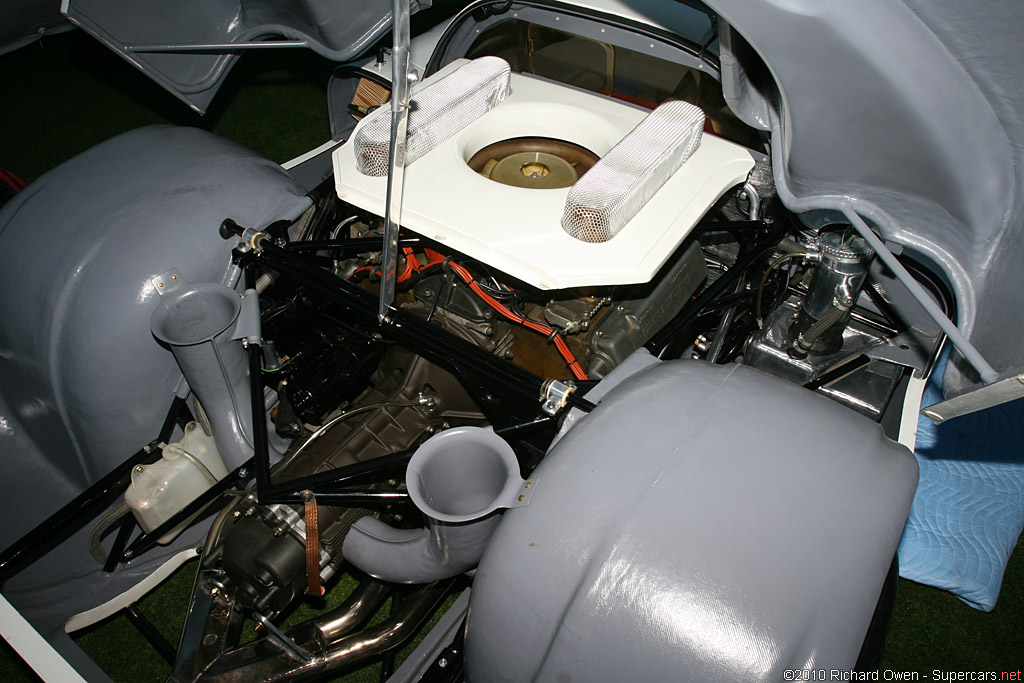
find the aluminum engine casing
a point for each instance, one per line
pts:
(705, 519)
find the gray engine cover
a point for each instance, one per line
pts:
(711, 523)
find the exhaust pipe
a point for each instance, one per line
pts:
(459, 479)
(197, 322)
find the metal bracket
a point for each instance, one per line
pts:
(167, 281)
(554, 395)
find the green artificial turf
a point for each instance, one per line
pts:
(68, 93)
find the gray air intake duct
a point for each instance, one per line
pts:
(197, 322)
(459, 479)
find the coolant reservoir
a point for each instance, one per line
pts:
(187, 468)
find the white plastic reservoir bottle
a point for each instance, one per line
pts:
(187, 468)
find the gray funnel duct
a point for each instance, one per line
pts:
(458, 479)
(197, 322)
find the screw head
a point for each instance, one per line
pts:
(442, 662)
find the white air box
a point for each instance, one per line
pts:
(519, 230)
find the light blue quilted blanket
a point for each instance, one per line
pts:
(969, 507)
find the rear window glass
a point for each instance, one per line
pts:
(611, 70)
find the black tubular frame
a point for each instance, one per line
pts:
(435, 344)
(483, 374)
(492, 380)
(82, 509)
(464, 359)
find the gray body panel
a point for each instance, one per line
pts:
(84, 381)
(26, 21)
(909, 112)
(682, 526)
(336, 29)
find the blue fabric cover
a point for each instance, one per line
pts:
(969, 507)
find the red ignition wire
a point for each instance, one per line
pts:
(16, 183)
(411, 264)
(549, 332)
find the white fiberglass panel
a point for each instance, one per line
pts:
(518, 230)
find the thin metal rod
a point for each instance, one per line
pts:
(151, 633)
(83, 508)
(215, 47)
(275, 634)
(396, 153)
(963, 345)
(520, 428)
(360, 498)
(340, 476)
(387, 663)
(117, 550)
(259, 422)
(261, 447)
(355, 245)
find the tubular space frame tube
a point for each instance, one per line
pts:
(396, 172)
